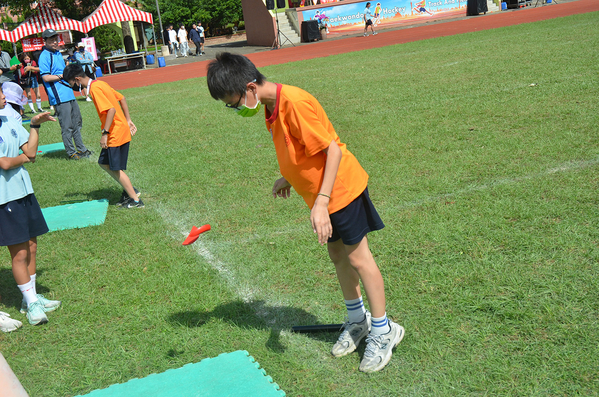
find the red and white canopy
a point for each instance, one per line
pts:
(44, 18)
(5, 35)
(111, 11)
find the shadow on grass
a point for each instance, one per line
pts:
(256, 315)
(10, 296)
(113, 194)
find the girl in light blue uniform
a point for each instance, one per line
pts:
(21, 218)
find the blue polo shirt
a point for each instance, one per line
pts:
(52, 63)
(14, 183)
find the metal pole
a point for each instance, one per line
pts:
(159, 20)
(155, 42)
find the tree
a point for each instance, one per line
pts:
(212, 13)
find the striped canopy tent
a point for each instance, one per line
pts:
(5, 35)
(44, 18)
(111, 11)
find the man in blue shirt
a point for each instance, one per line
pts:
(61, 96)
(194, 35)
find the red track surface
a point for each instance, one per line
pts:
(331, 47)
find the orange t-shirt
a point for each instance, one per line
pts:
(105, 98)
(301, 130)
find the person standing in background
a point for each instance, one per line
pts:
(6, 70)
(194, 35)
(202, 37)
(183, 45)
(172, 37)
(86, 60)
(29, 80)
(61, 96)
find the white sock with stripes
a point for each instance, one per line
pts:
(355, 310)
(380, 325)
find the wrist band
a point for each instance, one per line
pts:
(37, 126)
(322, 194)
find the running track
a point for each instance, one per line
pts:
(332, 47)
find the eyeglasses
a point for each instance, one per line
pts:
(236, 106)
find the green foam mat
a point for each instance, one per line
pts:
(78, 215)
(53, 147)
(235, 374)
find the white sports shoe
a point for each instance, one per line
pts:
(351, 336)
(8, 324)
(380, 347)
(48, 305)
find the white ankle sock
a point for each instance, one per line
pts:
(30, 103)
(355, 310)
(38, 102)
(33, 277)
(28, 292)
(380, 325)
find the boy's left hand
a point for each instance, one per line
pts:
(132, 128)
(321, 221)
(42, 118)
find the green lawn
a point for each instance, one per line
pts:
(486, 182)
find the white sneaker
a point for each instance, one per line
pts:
(8, 324)
(36, 314)
(88, 99)
(380, 347)
(351, 336)
(365, 34)
(374, 33)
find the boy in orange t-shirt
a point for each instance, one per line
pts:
(117, 129)
(332, 182)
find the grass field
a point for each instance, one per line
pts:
(487, 185)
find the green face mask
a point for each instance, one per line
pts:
(245, 111)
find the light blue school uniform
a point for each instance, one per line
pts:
(14, 183)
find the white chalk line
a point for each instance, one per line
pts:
(565, 167)
(248, 292)
(241, 290)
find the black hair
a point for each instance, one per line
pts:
(229, 74)
(71, 71)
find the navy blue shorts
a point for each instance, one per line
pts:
(355, 221)
(115, 157)
(21, 220)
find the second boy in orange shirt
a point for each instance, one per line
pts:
(332, 182)
(117, 129)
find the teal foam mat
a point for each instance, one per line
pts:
(78, 215)
(53, 147)
(235, 374)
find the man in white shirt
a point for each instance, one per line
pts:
(172, 38)
(201, 31)
(183, 45)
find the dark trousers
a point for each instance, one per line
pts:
(69, 118)
(198, 48)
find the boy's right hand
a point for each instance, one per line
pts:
(282, 188)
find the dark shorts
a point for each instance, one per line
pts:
(115, 157)
(369, 22)
(21, 220)
(202, 40)
(32, 84)
(355, 221)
